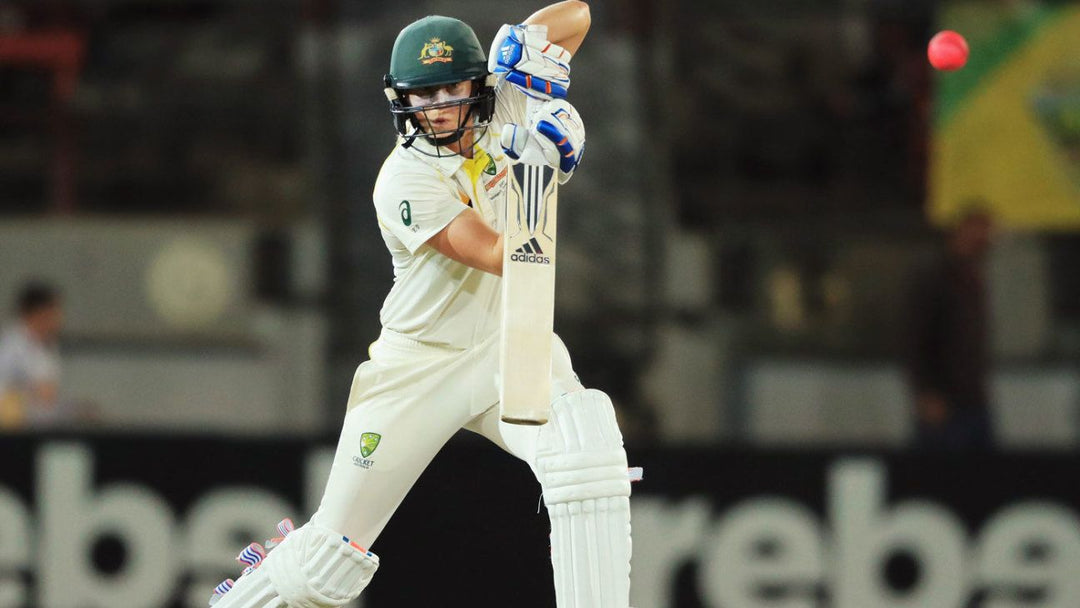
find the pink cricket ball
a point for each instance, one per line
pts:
(947, 51)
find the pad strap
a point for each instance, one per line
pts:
(585, 475)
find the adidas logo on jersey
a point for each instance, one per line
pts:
(530, 252)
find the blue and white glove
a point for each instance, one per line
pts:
(523, 55)
(555, 136)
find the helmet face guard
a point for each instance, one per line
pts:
(410, 121)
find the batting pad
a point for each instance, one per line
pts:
(582, 469)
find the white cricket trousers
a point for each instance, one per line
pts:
(405, 404)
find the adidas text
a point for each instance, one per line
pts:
(530, 257)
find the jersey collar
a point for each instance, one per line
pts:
(447, 164)
(426, 152)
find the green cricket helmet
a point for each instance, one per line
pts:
(436, 51)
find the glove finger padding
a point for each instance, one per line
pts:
(555, 136)
(537, 87)
(541, 69)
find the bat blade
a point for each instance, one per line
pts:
(528, 294)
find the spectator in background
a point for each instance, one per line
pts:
(30, 361)
(949, 358)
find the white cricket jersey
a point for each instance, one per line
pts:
(435, 299)
(24, 363)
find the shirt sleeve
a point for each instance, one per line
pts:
(415, 207)
(22, 361)
(42, 365)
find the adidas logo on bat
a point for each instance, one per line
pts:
(530, 252)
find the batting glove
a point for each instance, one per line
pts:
(523, 55)
(555, 136)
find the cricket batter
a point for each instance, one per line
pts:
(462, 115)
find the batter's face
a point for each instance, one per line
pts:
(46, 322)
(444, 119)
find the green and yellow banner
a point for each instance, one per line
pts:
(1007, 126)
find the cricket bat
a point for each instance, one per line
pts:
(528, 294)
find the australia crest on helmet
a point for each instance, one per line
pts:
(436, 50)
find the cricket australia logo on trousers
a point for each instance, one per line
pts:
(369, 442)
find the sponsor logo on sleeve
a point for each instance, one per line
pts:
(495, 180)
